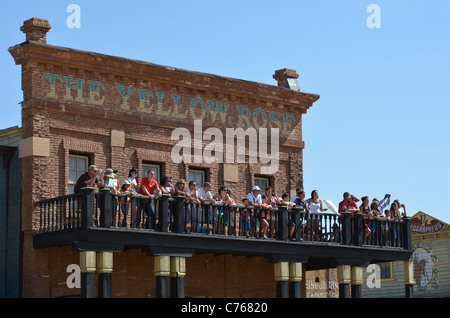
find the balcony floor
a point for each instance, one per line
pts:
(314, 255)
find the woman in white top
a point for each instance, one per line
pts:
(315, 205)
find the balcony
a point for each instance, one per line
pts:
(102, 222)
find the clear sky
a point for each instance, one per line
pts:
(381, 124)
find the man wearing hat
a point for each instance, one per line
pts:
(108, 180)
(89, 178)
(254, 197)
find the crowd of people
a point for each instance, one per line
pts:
(148, 186)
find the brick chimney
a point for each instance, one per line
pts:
(36, 29)
(282, 76)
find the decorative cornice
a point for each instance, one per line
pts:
(31, 52)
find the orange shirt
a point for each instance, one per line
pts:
(149, 185)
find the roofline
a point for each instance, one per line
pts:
(46, 53)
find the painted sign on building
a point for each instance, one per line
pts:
(422, 223)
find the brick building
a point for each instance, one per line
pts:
(81, 108)
(120, 113)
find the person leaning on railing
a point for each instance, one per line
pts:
(365, 210)
(315, 206)
(301, 203)
(125, 200)
(148, 187)
(89, 178)
(193, 210)
(224, 198)
(265, 217)
(205, 196)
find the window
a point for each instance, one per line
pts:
(155, 167)
(262, 182)
(78, 164)
(199, 176)
(386, 270)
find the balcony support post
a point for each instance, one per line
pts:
(87, 269)
(281, 270)
(162, 272)
(409, 279)
(356, 280)
(104, 269)
(177, 273)
(344, 279)
(295, 279)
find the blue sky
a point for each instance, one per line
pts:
(381, 124)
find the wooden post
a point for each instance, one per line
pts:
(282, 279)
(177, 273)
(104, 268)
(358, 229)
(163, 217)
(105, 208)
(178, 214)
(344, 279)
(282, 223)
(346, 222)
(162, 272)
(87, 207)
(356, 280)
(406, 233)
(87, 269)
(295, 279)
(409, 279)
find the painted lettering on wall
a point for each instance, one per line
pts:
(164, 104)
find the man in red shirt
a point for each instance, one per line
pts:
(147, 188)
(349, 203)
(148, 184)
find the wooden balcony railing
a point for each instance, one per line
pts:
(92, 209)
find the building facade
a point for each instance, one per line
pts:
(120, 113)
(82, 108)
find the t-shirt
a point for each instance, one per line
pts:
(192, 193)
(255, 200)
(81, 182)
(109, 182)
(150, 185)
(133, 184)
(345, 203)
(301, 203)
(205, 195)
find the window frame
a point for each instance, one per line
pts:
(150, 165)
(201, 171)
(71, 183)
(257, 180)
